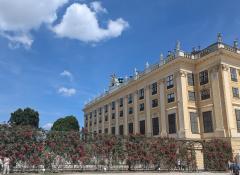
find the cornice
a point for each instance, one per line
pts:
(217, 53)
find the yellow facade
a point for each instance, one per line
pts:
(186, 96)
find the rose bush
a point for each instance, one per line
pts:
(33, 147)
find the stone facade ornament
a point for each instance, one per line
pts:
(225, 67)
(169, 53)
(135, 72)
(214, 71)
(126, 78)
(161, 59)
(181, 73)
(163, 80)
(147, 65)
(235, 43)
(147, 87)
(114, 80)
(219, 38)
(178, 46)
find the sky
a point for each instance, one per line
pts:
(57, 54)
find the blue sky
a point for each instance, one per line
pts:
(54, 59)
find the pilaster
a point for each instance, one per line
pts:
(135, 110)
(217, 102)
(232, 130)
(162, 108)
(103, 119)
(125, 115)
(97, 117)
(117, 116)
(182, 103)
(109, 118)
(148, 113)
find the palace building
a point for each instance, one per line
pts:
(187, 95)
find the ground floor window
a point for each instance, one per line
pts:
(172, 123)
(237, 112)
(194, 122)
(130, 128)
(121, 130)
(142, 127)
(155, 126)
(113, 130)
(207, 121)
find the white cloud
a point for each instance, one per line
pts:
(68, 74)
(16, 40)
(47, 126)
(18, 18)
(67, 91)
(80, 22)
(97, 7)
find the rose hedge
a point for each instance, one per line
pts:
(217, 153)
(36, 147)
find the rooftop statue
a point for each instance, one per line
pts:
(114, 80)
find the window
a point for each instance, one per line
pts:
(154, 88)
(235, 92)
(90, 123)
(191, 96)
(106, 108)
(130, 110)
(100, 120)
(121, 130)
(172, 123)
(113, 116)
(141, 107)
(100, 111)
(155, 126)
(207, 121)
(141, 94)
(130, 98)
(106, 130)
(95, 122)
(121, 102)
(190, 78)
(90, 115)
(113, 105)
(100, 131)
(121, 113)
(169, 81)
(237, 112)
(233, 72)
(171, 97)
(142, 127)
(113, 131)
(154, 103)
(95, 113)
(205, 94)
(203, 77)
(106, 118)
(130, 128)
(194, 122)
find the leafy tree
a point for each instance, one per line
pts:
(25, 117)
(68, 123)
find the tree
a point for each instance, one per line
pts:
(68, 123)
(25, 117)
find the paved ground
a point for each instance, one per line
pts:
(142, 173)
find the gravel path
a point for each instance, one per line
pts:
(152, 173)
